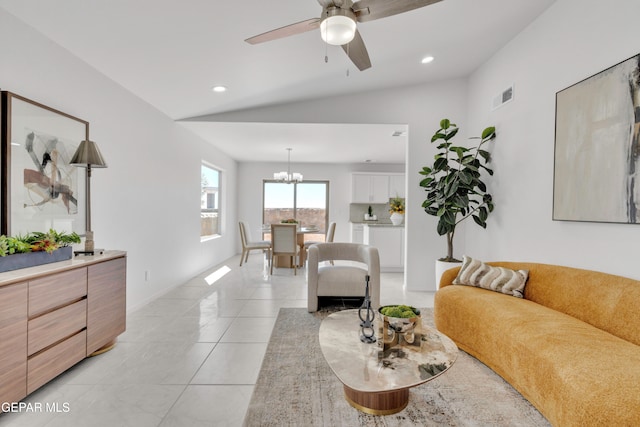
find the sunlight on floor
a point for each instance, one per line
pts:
(217, 275)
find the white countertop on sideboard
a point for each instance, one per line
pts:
(20, 275)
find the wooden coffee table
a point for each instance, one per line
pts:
(380, 386)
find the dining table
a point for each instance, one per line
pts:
(285, 261)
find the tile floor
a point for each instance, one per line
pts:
(188, 358)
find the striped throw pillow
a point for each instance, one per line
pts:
(499, 279)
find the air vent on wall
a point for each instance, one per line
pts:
(502, 98)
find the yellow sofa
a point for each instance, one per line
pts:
(571, 346)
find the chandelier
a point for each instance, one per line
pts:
(287, 176)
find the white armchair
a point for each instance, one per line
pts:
(342, 280)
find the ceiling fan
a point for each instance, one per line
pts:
(337, 24)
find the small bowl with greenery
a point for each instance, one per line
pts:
(401, 318)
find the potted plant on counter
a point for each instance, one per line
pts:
(454, 186)
(396, 209)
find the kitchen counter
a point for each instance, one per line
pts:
(370, 222)
(389, 239)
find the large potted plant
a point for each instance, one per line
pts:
(454, 186)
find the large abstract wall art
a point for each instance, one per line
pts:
(597, 147)
(40, 189)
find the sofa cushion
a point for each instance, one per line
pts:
(499, 279)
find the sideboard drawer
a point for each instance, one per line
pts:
(13, 384)
(47, 293)
(56, 325)
(13, 342)
(47, 365)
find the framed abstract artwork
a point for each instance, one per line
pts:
(40, 189)
(597, 147)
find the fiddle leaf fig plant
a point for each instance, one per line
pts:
(455, 190)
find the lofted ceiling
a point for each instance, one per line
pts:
(172, 53)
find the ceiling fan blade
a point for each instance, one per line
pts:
(289, 30)
(337, 3)
(357, 52)
(325, 3)
(368, 10)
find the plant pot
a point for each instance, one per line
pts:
(402, 331)
(442, 266)
(396, 218)
(31, 259)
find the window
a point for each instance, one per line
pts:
(209, 202)
(306, 202)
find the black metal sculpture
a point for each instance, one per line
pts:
(367, 316)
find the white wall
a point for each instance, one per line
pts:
(339, 176)
(147, 201)
(419, 107)
(571, 41)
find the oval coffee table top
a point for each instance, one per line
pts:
(358, 366)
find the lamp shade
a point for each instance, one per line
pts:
(88, 154)
(338, 30)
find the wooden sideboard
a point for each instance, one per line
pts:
(55, 315)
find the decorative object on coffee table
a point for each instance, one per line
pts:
(367, 316)
(380, 386)
(400, 325)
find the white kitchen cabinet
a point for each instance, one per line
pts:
(396, 186)
(379, 189)
(361, 188)
(357, 233)
(390, 243)
(376, 188)
(370, 188)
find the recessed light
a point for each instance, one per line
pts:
(219, 89)
(427, 59)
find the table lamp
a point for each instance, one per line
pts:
(88, 155)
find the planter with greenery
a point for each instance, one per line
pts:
(35, 248)
(454, 186)
(289, 221)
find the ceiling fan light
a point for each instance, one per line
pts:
(338, 30)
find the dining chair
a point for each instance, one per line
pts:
(328, 238)
(284, 242)
(249, 245)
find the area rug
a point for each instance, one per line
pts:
(296, 387)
